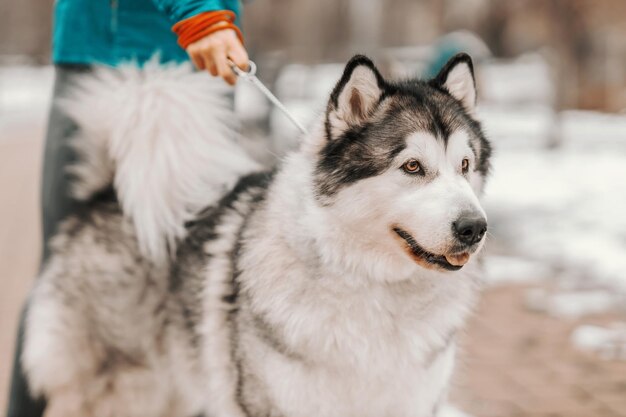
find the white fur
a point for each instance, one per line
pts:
(219, 369)
(367, 332)
(60, 357)
(373, 326)
(426, 207)
(359, 223)
(45, 321)
(460, 84)
(362, 85)
(164, 136)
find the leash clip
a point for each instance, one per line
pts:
(241, 73)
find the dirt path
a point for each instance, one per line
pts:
(518, 363)
(20, 160)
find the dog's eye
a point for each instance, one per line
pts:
(412, 166)
(465, 166)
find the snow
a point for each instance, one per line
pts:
(501, 269)
(564, 207)
(250, 104)
(24, 88)
(556, 202)
(607, 342)
(572, 304)
(451, 411)
(25, 93)
(526, 79)
(304, 91)
(518, 126)
(593, 130)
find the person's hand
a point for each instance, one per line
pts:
(212, 52)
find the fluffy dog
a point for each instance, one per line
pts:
(194, 283)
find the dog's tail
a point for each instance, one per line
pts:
(164, 137)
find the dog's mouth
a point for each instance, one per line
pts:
(450, 262)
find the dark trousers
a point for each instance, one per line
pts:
(56, 205)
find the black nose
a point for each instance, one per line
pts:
(469, 229)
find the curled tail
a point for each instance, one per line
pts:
(164, 137)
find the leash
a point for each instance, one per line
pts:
(251, 77)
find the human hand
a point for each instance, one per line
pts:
(213, 51)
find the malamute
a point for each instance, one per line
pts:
(333, 286)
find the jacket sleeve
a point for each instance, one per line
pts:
(178, 10)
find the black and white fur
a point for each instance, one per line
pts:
(321, 289)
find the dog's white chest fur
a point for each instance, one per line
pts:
(335, 345)
(397, 391)
(318, 339)
(365, 355)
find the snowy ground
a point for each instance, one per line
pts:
(564, 207)
(24, 100)
(559, 214)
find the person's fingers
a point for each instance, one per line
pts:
(213, 70)
(209, 62)
(223, 68)
(238, 54)
(196, 58)
(213, 52)
(198, 62)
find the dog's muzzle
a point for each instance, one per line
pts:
(429, 259)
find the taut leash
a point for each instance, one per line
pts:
(251, 77)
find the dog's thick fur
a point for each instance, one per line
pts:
(322, 289)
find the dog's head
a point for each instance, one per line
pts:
(402, 163)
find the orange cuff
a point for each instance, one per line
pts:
(197, 27)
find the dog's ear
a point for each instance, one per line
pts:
(355, 96)
(457, 78)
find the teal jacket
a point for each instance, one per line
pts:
(111, 31)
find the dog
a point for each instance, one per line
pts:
(333, 285)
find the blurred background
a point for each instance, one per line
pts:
(549, 337)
